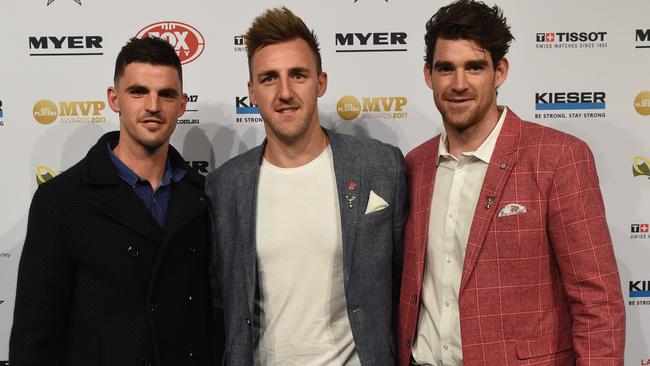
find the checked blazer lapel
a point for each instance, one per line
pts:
(347, 170)
(501, 165)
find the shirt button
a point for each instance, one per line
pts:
(445, 347)
(446, 303)
(133, 251)
(447, 259)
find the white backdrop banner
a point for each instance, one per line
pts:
(579, 66)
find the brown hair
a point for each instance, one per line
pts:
(279, 25)
(472, 20)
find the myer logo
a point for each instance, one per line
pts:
(65, 45)
(371, 42)
(44, 174)
(199, 166)
(642, 38)
(571, 40)
(46, 111)
(642, 103)
(349, 107)
(640, 166)
(562, 101)
(187, 40)
(192, 107)
(243, 106)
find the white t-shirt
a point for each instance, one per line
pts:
(301, 306)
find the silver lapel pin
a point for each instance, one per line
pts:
(490, 201)
(350, 200)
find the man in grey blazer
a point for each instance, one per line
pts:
(307, 227)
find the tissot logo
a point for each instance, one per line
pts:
(65, 45)
(187, 40)
(642, 38)
(371, 42)
(192, 108)
(350, 107)
(571, 40)
(239, 44)
(576, 101)
(243, 106)
(46, 111)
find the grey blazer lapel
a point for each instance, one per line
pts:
(245, 194)
(348, 178)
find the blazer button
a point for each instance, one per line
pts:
(248, 322)
(414, 298)
(408, 343)
(133, 250)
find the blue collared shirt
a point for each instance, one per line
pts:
(156, 201)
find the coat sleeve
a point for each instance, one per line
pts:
(400, 215)
(580, 238)
(44, 289)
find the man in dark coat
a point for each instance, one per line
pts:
(114, 269)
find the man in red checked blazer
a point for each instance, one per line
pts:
(507, 255)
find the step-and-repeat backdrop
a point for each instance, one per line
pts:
(580, 66)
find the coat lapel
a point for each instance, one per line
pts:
(126, 208)
(422, 174)
(349, 185)
(501, 165)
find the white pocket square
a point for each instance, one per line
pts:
(375, 203)
(512, 209)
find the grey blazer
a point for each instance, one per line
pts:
(372, 244)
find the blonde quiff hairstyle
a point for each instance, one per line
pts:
(276, 26)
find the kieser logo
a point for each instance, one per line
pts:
(192, 100)
(638, 289)
(560, 101)
(243, 106)
(65, 45)
(641, 103)
(46, 111)
(371, 42)
(641, 166)
(349, 107)
(44, 174)
(642, 38)
(187, 40)
(571, 40)
(239, 44)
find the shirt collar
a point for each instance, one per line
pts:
(171, 174)
(484, 152)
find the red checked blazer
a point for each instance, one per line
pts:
(538, 288)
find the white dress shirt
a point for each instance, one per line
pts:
(455, 196)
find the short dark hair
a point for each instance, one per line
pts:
(149, 50)
(471, 20)
(276, 26)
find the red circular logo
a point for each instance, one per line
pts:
(187, 40)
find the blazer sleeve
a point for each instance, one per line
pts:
(44, 289)
(400, 215)
(583, 248)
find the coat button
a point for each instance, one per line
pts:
(202, 199)
(248, 322)
(146, 361)
(153, 307)
(192, 354)
(133, 251)
(192, 250)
